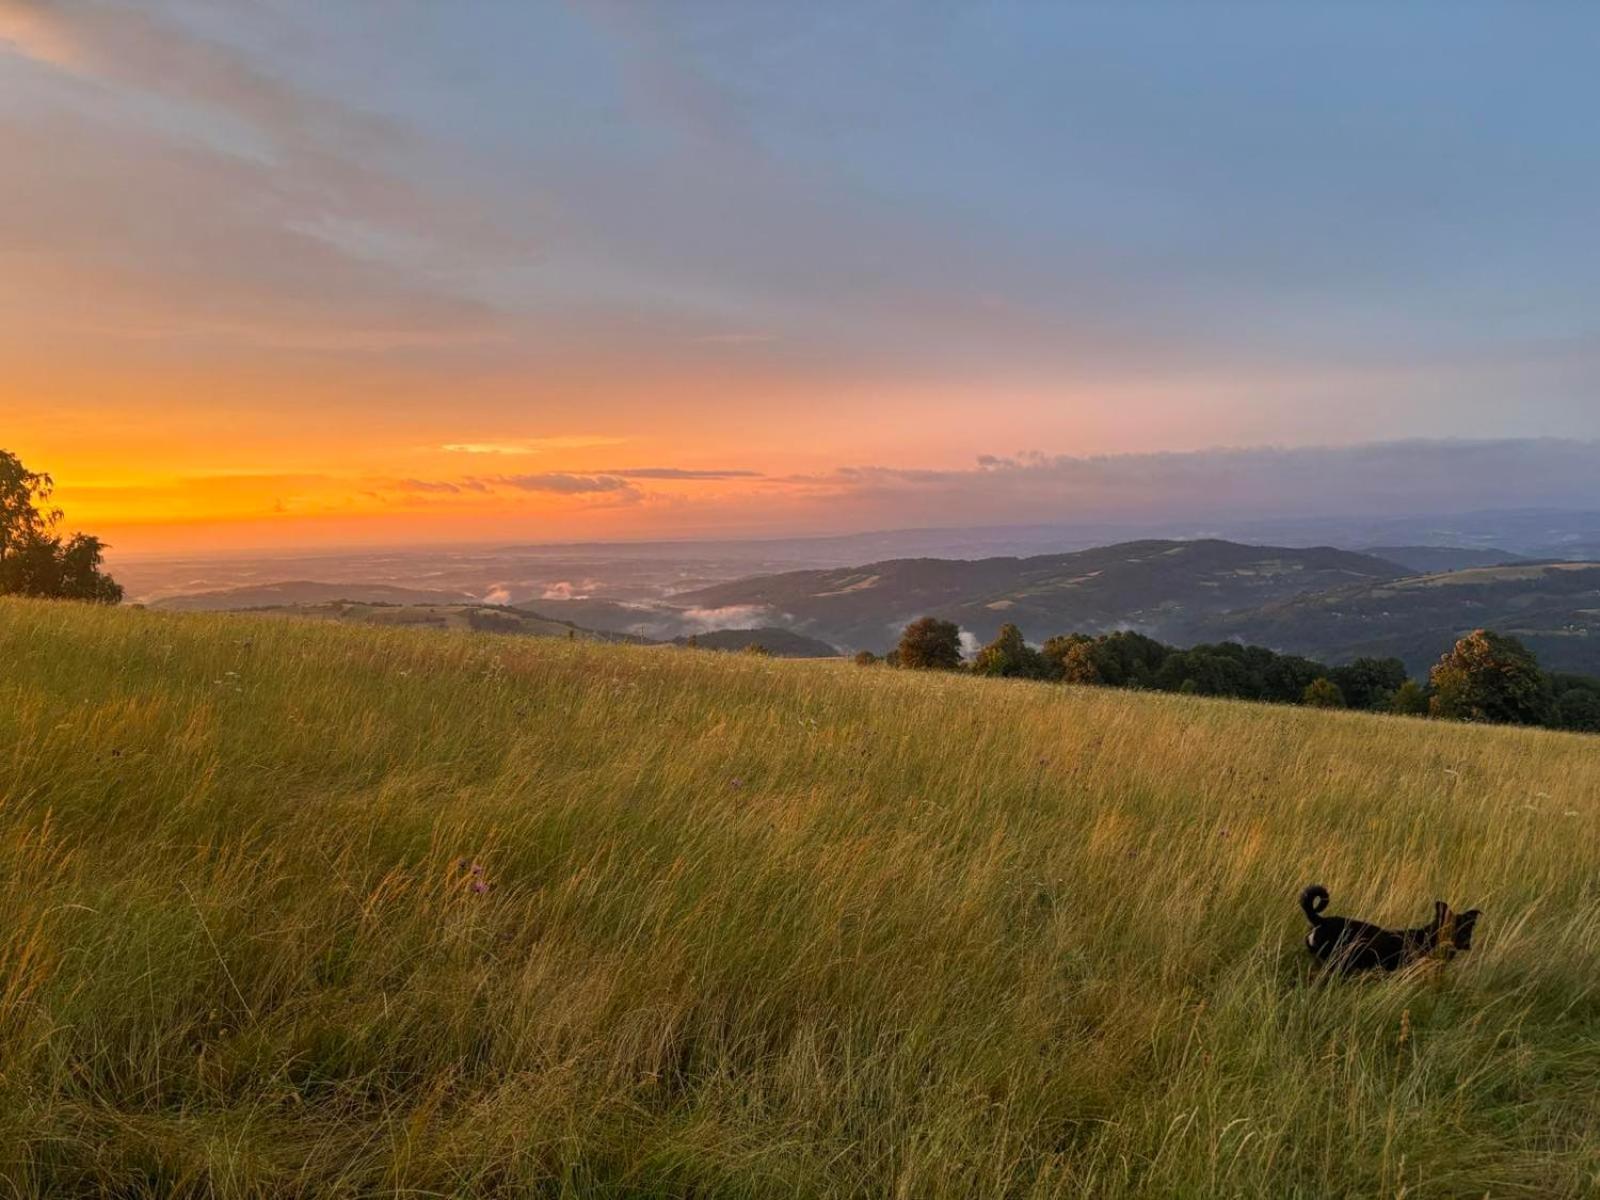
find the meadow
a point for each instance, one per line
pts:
(293, 909)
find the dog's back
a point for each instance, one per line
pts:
(1348, 945)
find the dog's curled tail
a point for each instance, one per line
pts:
(1313, 900)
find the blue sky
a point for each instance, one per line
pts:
(811, 236)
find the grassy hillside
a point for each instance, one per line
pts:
(292, 908)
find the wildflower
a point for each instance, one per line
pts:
(736, 783)
(479, 887)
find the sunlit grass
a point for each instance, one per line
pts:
(748, 927)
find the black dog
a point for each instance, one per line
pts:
(1346, 945)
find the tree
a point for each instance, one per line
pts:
(1286, 677)
(1010, 657)
(1323, 693)
(1369, 682)
(1488, 676)
(929, 644)
(1129, 659)
(1083, 662)
(1577, 703)
(1410, 699)
(1071, 657)
(34, 559)
(866, 658)
(1207, 670)
(1579, 711)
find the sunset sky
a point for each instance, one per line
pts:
(292, 272)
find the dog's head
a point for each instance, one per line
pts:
(1452, 931)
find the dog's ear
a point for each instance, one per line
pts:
(1462, 934)
(1441, 913)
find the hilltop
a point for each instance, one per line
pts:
(520, 620)
(298, 592)
(479, 618)
(1163, 588)
(302, 907)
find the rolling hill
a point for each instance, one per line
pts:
(1431, 560)
(302, 908)
(303, 592)
(524, 622)
(480, 618)
(1554, 608)
(1162, 588)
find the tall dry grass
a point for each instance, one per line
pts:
(291, 909)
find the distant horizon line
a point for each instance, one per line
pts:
(1148, 530)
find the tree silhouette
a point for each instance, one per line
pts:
(34, 559)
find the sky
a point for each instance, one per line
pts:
(294, 273)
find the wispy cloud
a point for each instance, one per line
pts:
(542, 445)
(562, 483)
(1414, 476)
(688, 473)
(299, 230)
(443, 487)
(32, 31)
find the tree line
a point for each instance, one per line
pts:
(1485, 676)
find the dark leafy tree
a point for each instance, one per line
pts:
(1369, 682)
(1216, 670)
(929, 644)
(1488, 676)
(1010, 657)
(1121, 659)
(866, 658)
(1577, 703)
(34, 559)
(1287, 676)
